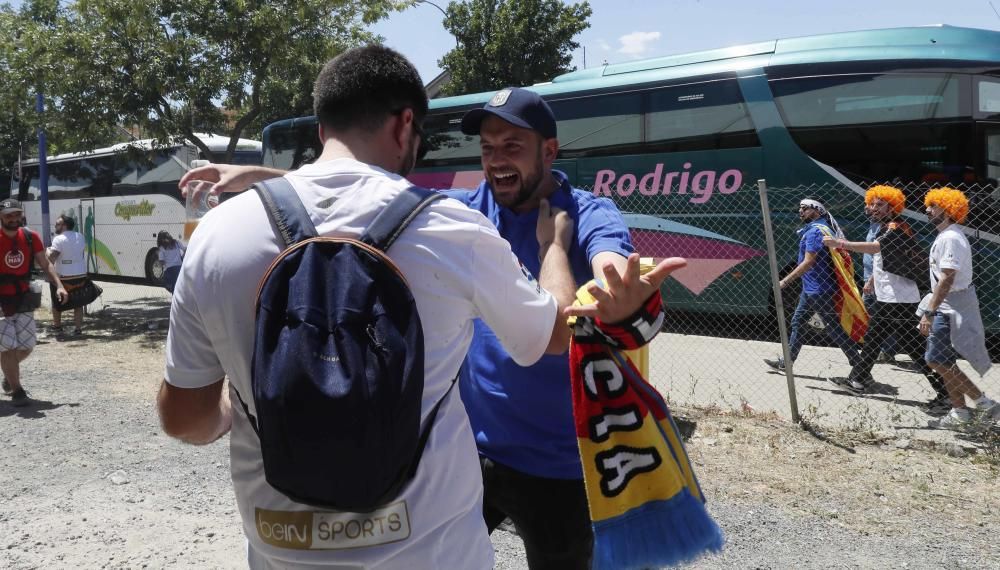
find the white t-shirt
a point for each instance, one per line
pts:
(458, 268)
(892, 288)
(951, 250)
(72, 249)
(172, 256)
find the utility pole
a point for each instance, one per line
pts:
(43, 169)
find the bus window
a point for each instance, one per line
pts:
(988, 99)
(865, 99)
(239, 157)
(883, 128)
(702, 116)
(83, 178)
(993, 156)
(290, 147)
(600, 122)
(445, 142)
(158, 173)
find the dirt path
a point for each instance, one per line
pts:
(88, 481)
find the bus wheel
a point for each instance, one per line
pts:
(154, 268)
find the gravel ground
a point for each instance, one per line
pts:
(88, 481)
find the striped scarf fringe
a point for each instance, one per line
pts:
(645, 503)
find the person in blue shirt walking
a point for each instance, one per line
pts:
(522, 417)
(819, 283)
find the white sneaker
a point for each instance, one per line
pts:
(959, 419)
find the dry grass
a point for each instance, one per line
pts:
(858, 479)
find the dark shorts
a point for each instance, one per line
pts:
(551, 515)
(170, 275)
(68, 283)
(939, 349)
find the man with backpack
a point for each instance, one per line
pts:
(898, 265)
(422, 512)
(19, 246)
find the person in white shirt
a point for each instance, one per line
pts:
(67, 254)
(950, 316)
(170, 252)
(371, 104)
(896, 295)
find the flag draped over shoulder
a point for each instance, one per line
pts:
(847, 301)
(645, 503)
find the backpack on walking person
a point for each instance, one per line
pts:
(338, 361)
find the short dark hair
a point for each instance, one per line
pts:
(69, 222)
(362, 87)
(164, 239)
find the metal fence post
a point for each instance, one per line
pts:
(779, 306)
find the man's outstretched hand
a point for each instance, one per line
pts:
(228, 177)
(625, 294)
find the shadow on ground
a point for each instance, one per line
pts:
(143, 318)
(33, 411)
(761, 328)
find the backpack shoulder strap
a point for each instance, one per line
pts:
(30, 242)
(393, 219)
(286, 210)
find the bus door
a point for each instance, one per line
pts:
(88, 217)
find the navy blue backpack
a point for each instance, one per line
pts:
(338, 360)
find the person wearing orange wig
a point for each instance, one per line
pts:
(896, 269)
(889, 346)
(950, 316)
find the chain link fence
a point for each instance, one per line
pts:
(722, 308)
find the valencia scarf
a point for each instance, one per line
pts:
(847, 300)
(645, 503)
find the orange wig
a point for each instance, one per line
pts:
(952, 201)
(894, 196)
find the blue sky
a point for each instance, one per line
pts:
(622, 30)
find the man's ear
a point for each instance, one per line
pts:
(402, 127)
(550, 150)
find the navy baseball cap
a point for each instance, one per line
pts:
(519, 107)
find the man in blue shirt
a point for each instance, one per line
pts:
(522, 418)
(819, 283)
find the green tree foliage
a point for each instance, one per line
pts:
(174, 67)
(32, 61)
(176, 62)
(510, 42)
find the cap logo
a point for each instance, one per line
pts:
(500, 98)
